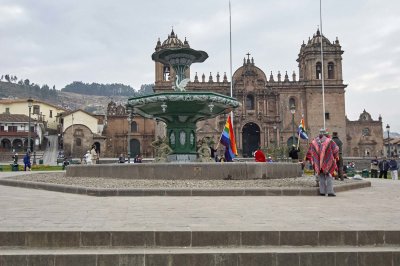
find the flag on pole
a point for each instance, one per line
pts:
(228, 140)
(301, 130)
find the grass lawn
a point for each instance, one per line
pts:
(38, 167)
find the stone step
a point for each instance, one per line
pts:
(87, 239)
(274, 256)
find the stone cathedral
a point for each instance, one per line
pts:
(273, 105)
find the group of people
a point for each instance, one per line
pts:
(26, 160)
(91, 156)
(137, 159)
(384, 166)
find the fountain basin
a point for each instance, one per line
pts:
(187, 170)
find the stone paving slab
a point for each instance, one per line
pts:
(106, 192)
(371, 208)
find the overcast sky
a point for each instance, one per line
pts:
(104, 41)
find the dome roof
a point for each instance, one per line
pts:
(316, 39)
(172, 42)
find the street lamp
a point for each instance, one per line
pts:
(34, 143)
(276, 136)
(388, 131)
(129, 133)
(29, 125)
(293, 111)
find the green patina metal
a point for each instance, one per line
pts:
(181, 110)
(180, 59)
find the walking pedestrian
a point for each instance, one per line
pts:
(27, 161)
(393, 167)
(383, 168)
(374, 167)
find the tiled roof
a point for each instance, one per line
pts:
(11, 101)
(9, 118)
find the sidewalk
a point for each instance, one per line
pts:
(374, 208)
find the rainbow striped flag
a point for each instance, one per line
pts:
(228, 140)
(301, 130)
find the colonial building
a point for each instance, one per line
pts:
(127, 133)
(273, 105)
(40, 111)
(364, 136)
(79, 130)
(14, 133)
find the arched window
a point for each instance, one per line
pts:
(166, 72)
(134, 127)
(250, 102)
(318, 71)
(78, 141)
(331, 70)
(292, 102)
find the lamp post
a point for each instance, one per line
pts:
(276, 136)
(129, 134)
(29, 124)
(73, 136)
(293, 111)
(34, 143)
(388, 131)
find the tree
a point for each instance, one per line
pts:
(7, 77)
(26, 82)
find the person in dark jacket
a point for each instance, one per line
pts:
(393, 168)
(383, 168)
(339, 143)
(294, 153)
(27, 161)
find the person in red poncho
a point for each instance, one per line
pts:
(323, 154)
(259, 155)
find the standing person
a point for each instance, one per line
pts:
(27, 161)
(87, 158)
(393, 168)
(374, 167)
(93, 154)
(339, 143)
(294, 153)
(121, 158)
(323, 154)
(383, 168)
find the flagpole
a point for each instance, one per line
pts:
(230, 58)
(322, 65)
(230, 46)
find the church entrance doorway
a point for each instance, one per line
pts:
(251, 139)
(134, 147)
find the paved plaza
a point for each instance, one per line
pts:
(373, 208)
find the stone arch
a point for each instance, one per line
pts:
(134, 147)
(331, 70)
(250, 102)
(318, 70)
(6, 144)
(134, 127)
(250, 138)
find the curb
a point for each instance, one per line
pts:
(140, 192)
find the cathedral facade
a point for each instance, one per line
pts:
(272, 106)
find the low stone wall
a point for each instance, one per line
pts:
(203, 171)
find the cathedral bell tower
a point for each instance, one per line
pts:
(310, 66)
(310, 74)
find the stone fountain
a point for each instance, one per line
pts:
(180, 110)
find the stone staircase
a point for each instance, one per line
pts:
(275, 248)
